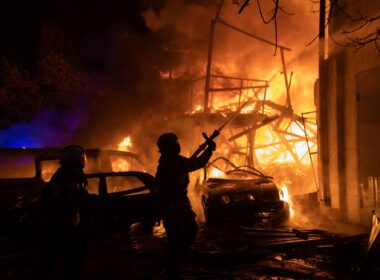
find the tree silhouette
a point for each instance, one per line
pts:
(359, 30)
(22, 95)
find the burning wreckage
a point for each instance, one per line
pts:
(262, 134)
(259, 132)
(256, 132)
(241, 195)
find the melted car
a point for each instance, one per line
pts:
(241, 196)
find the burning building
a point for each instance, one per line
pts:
(268, 131)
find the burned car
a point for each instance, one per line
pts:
(119, 199)
(24, 171)
(241, 195)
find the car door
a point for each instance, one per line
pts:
(120, 199)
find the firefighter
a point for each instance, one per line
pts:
(61, 201)
(172, 179)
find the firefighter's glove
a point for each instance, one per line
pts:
(211, 145)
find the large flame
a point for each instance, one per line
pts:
(285, 196)
(197, 109)
(125, 144)
(281, 141)
(216, 173)
(122, 164)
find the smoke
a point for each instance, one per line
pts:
(309, 215)
(143, 73)
(186, 19)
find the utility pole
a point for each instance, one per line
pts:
(323, 110)
(209, 57)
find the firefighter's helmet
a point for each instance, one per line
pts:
(73, 155)
(167, 142)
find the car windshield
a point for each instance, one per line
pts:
(48, 167)
(94, 164)
(124, 163)
(17, 166)
(124, 183)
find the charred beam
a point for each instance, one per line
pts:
(219, 20)
(245, 132)
(235, 88)
(236, 78)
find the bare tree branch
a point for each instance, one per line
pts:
(243, 6)
(357, 23)
(282, 9)
(273, 18)
(277, 7)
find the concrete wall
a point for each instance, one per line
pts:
(344, 66)
(332, 128)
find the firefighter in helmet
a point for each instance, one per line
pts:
(172, 179)
(61, 200)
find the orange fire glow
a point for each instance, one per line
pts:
(197, 109)
(247, 109)
(216, 173)
(125, 144)
(120, 165)
(285, 196)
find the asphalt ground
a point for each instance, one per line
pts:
(221, 253)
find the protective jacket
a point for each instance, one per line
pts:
(172, 176)
(62, 197)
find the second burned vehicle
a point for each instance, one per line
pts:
(241, 196)
(118, 196)
(119, 199)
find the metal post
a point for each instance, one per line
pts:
(322, 111)
(240, 91)
(288, 104)
(208, 69)
(308, 148)
(209, 57)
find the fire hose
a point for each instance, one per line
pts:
(217, 131)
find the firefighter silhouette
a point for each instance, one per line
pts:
(61, 201)
(172, 179)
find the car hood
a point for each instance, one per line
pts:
(238, 186)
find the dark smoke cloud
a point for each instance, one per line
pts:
(135, 100)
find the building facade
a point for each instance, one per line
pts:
(348, 106)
